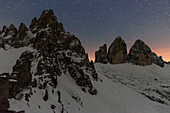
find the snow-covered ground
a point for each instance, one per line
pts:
(152, 81)
(123, 88)
(9, 57)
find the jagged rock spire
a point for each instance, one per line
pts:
(47, 19)
(22, 31)
(13, 30)
(101, 54)
(157, 60)
(140, 54)
(54, 43)
(4, 28)
(117, 52)
(33, 23)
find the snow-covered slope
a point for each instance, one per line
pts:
(8, 58)
(120, 89)
(151, 81)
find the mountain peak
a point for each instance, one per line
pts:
(47, 12)
(117, 52)
(118, 38)
(140, 53)
(46, 20)
(47, 16)
(139, 41)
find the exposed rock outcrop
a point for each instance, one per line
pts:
(117, 52)
(46, 20)
(22, 30)
(12, 30)
(45, 98)
(23, 37)
(157, 60)
(4, 91)
(10, 37)
(140, 54)
(21, 75)
(7, 35)
(101, 54)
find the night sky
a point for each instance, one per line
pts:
(96, 22)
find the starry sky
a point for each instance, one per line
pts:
(96, 22)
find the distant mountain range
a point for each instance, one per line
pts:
(139, 54)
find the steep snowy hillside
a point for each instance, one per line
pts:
(123, 88)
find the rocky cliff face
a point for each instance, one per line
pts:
(157, 60)
(62, 50)
(21, 75)
(140, 54)
(54, 53)
(4, 92)
(11, 37)
(117, 52)
(101, 54)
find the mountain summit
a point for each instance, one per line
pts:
(52, 53)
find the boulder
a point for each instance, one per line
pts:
(140, 54)
(117, 52)
(101, 55)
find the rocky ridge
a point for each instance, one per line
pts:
(139, 54)
(157, 60)
(54, 53)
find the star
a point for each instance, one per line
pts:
(97, 21)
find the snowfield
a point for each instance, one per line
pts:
(9, 57)
(122, 88)
(151, 82)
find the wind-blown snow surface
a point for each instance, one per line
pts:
(121, 89)
(9, 57)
